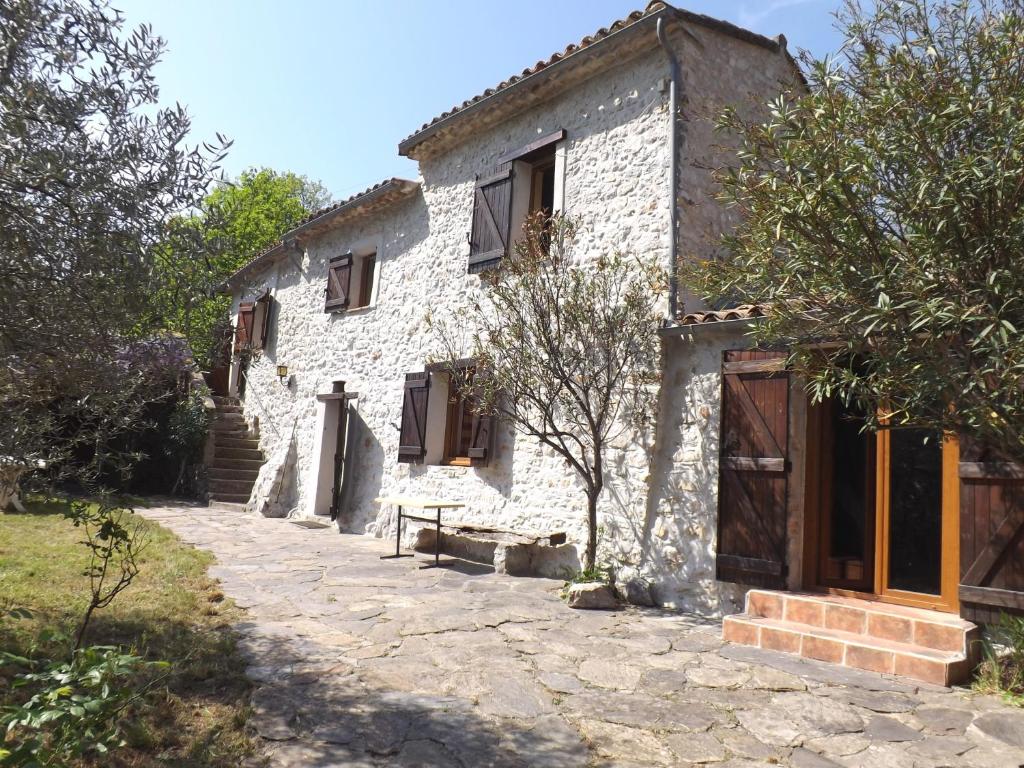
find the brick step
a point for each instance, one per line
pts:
(848, 649)
(216, 499)
(869, 618)
(219, 486)
(222, 462)
(224, 473)
(238, 453)
(223, 440)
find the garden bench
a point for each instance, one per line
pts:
(417, 503)
(517, 553)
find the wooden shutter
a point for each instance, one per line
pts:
(412, 441)
(482, 441)
(244, 328)
(991, 534)
(753, 469)
(262, 308)
(492, 217)
(339, 278)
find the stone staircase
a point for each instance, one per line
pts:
(236, 455)
(925, 645)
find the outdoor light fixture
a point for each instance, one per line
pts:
(282, 372)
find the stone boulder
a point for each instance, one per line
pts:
(592, 595)
(635, 591)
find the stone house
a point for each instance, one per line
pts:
(740, 484)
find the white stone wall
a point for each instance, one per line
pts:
(658, 511)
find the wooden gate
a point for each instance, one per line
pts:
(991, 534)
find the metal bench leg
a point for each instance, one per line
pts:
(398, 533)
(437, 540)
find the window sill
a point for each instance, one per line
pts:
(457, 462)
(350, 310)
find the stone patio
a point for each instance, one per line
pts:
(360, 661)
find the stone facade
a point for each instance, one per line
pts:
(658, 511)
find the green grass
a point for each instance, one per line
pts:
(172, 611)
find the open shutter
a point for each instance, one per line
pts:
(482, 442)
(412, 441)
(991, 534)
(244, 329)
(261, 321)
(339, 279)
(753, 469)
(492, 217)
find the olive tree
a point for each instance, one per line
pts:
(882, 217)
(565, 349)
(91, 172)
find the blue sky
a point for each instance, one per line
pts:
(328, 88)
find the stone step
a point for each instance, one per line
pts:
(225, 400)
(225, 473)
(221, 486)
(883, 621)
(229, 409)
(225, 440)
(223, 462)
(848, 649)
(238, 453)
(228, 503)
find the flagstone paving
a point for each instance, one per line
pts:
(360, 661)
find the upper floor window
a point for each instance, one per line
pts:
(525, 181)
(351, 281)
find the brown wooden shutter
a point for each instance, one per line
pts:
(991, 534)
(753, 469)
(481, 444)
(244, 328)
(261, 311)
(339, 278)
(492, 218)
(412, 442)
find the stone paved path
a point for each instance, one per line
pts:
(368, 662)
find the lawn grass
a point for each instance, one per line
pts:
(173, 611)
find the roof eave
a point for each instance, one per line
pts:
(407, 146)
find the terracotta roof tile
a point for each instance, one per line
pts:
(350, 203)
(742, 312)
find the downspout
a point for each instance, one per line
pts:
(673, 107)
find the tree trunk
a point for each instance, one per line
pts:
(591, 555)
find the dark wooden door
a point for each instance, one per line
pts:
(753, 469)
(991, 534)
(344, 456)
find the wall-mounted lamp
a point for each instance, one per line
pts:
(282, 373)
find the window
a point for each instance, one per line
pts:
(365, 267)
(525, 181)
(351, 281)
(443, 429)
(458, 433)
(253, 327)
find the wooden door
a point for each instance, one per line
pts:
(753, 469)
(918, 519)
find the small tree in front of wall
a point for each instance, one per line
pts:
(566, 351)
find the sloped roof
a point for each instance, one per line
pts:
(374, 198)
(561, 60)
(742, 312)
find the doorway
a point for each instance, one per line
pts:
(884, 509)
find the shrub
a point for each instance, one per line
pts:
(1002, 670)
(72, 708)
